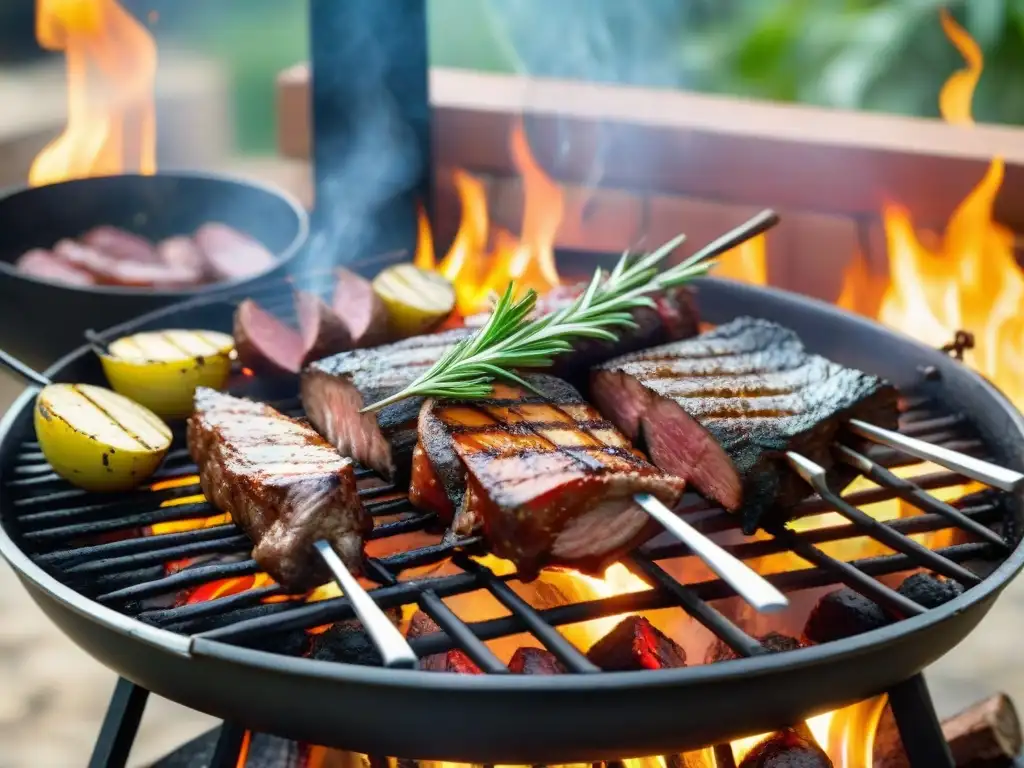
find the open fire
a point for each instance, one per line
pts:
(968, 279)
(111, 65)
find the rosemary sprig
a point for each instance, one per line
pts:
(511, 340)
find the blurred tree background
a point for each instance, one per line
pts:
(886, 55)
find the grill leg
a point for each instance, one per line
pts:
(117, 734)
(230, 742)
(919, 726)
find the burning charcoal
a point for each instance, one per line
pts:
(535, 661)
(842, 613)
(292, 643)
(345, 641)
(454, 660)
(786, 749)
(930, 590)
(636, 644)
(773, 643)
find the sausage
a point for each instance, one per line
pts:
(106, 270)
(231, 255)
(43, 264)
(323, 332)
(182, 253)
(361, 309)
(264, 343)
(121, 245)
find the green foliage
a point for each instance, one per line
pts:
(886, 55)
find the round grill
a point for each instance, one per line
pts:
(114, 591)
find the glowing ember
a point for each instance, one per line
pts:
(111, 65)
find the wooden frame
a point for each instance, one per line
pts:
(641, 164)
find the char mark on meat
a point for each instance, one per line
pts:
(547, 479)
(722, 410)
(335, 389)
(281, 483)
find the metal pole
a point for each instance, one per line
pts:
(371, 126)
(919, 726)
(121, 723)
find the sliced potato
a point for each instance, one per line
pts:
(97, 439)
(161, 369)
(416, 300)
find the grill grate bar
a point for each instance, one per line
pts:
(550, 638)
(892, 538)
(910, 492)
(178, 512)
(289, 616)
(190, 577)
(926, 523)
(166, 617)
(140, 544)
(921, 428)
(714, 519)
(709, 590)
(231, 545)
(722, 627)
(850, 575)
(460, 633)
(283, 617)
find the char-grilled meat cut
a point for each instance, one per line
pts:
(282, 483)
(722, 409)
(336, 388)
(546, 478)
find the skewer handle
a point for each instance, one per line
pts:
(976, 469)
(12, 363)
(752, 227)
(749, 584)
(389, 641)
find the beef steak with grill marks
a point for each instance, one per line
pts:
(281, 483)
(546, 477)
(722, 409)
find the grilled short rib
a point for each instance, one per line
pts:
(281, 483)
(546, 478)
(723, 408)
(336, 388)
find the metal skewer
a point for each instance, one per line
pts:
(815, 476)
(748, 583)
(983, 471)
(757, 224)
(393, 648)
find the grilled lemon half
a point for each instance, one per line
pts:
(161, 369)
(97, 439)
(416, 300)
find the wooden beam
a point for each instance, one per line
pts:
(713, 148)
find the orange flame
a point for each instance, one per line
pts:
(528, 260)
(111, 66)
(747, 262)
(967, 279)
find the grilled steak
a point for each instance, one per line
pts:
(723, 408)
(280, 482)
(335, 389)
(549, 481)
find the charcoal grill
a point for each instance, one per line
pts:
(197, 654)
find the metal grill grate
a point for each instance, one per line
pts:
(59, 527)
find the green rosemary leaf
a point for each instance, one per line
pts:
(512, 340)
